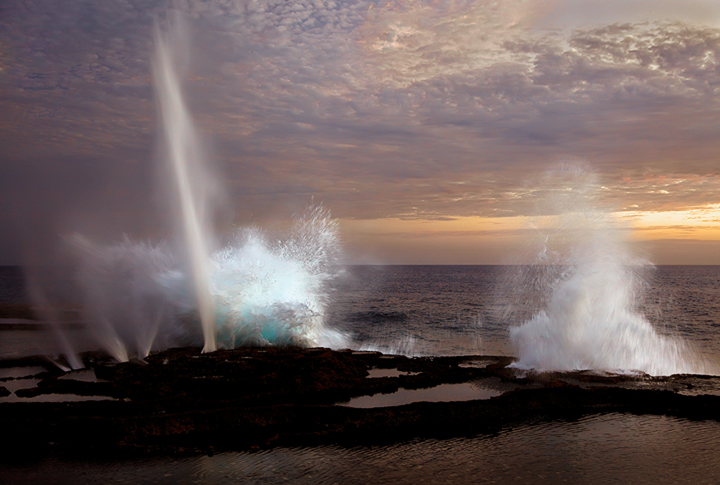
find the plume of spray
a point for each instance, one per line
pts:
(267, 291)
(50, 316)
(590, 284)
(126, 310)
(256, 290)
(185, 160)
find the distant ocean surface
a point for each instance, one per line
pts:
(451, 310)
(13, 288)
(446, 310)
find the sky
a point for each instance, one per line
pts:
(430, 129)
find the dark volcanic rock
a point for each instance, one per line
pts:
(182, 401)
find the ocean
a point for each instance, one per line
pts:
(460, 310)
(449, 310)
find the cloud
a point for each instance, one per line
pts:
(414, 109)
(573, 14)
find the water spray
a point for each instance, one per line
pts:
(183, 148)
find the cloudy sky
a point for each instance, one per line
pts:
(430, 129)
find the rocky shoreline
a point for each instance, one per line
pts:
(181, 401)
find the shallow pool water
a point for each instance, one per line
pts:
(614, 448)
(466, 391)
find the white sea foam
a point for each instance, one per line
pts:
(138, 298)
(186, 169)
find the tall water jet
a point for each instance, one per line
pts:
(183, 148)
(590, 282)
(50, 316)
(257, 290)
(126, 310)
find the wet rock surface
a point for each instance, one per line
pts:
(181, 401)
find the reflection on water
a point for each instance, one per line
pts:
(83, 375)
(466, 391)
(15, 384)
(15, 372)
(476, 364)
(54, 398)
(602, 449)
(376, 373)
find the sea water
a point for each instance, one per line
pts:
(452, 310)
(614, 448)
